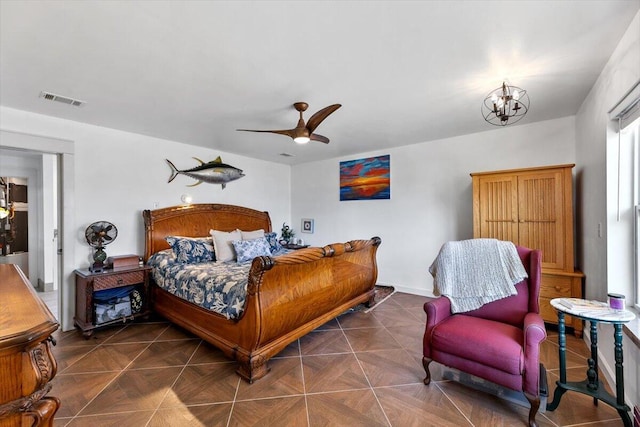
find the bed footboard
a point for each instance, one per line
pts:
(291, 295)
(287, 296)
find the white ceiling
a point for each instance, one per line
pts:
(404, 71)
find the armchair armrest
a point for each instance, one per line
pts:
(534, 333)
(437, 310)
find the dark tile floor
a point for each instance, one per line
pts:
(361, 369)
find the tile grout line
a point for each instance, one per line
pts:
(365, 374)
(233, 404)
(401, 347)
(118, 375)
(549, 419)
(177, 377)
(72, 418)
(391, 320)
(452, 402)
(304, 383)
(581, 356)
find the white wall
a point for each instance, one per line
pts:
(620, 73)
(592, 127)
(130, 174)
(431, 198)
(119, 174)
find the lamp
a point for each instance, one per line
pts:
(301, 134)
(505, 105)
(302, 139)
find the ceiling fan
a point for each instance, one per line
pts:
(303, 133)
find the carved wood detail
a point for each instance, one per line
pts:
(27, 364)
(24, 403)
(43, 362)
(287, 296)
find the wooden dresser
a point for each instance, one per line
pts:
(26, 362)
(533, 208)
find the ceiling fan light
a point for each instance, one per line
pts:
(301, 139)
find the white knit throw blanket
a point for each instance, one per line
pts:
(474, 272)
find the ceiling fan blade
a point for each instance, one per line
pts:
(288, 132)
(319, 138)
(319, 116)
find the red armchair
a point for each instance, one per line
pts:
(499, 342)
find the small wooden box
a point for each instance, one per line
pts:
(123, 261)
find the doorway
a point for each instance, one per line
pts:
(19, 146)
(29, 219)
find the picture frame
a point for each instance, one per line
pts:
(366, 179)
(307, 225)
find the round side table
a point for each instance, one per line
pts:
(595, 312)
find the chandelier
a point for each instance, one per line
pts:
(505, 105)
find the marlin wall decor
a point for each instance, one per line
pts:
(213, 172)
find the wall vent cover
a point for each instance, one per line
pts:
(59, 98)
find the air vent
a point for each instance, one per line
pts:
(59, 98)
(287, 155)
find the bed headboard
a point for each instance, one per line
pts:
(196, 221)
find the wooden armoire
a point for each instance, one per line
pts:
(533, 207)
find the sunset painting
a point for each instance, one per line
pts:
(365, 179)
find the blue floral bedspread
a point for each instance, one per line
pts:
(217, 286)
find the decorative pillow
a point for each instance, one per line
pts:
(222, 244)
(162, 258)
(246, 250)
(192, 250)
(272, 238)
(250, 235)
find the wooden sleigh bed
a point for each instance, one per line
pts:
(287, 296)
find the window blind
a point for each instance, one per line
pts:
(625, 112)
(628, 108)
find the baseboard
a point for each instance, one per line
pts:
(407, 290)
(44, 287)
(607, 370)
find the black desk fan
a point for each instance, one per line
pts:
(98, 235)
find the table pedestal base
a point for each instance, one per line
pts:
(592, 386)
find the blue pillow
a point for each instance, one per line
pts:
(246, 250)
(192, 250)
(162, 258)
(272, 238)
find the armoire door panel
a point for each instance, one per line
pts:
(499, 208)
(533, 207)
(540, 216)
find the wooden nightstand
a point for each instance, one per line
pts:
(88, 283)
(294, 246)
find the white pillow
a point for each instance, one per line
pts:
(251, 235)
(222, 244)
